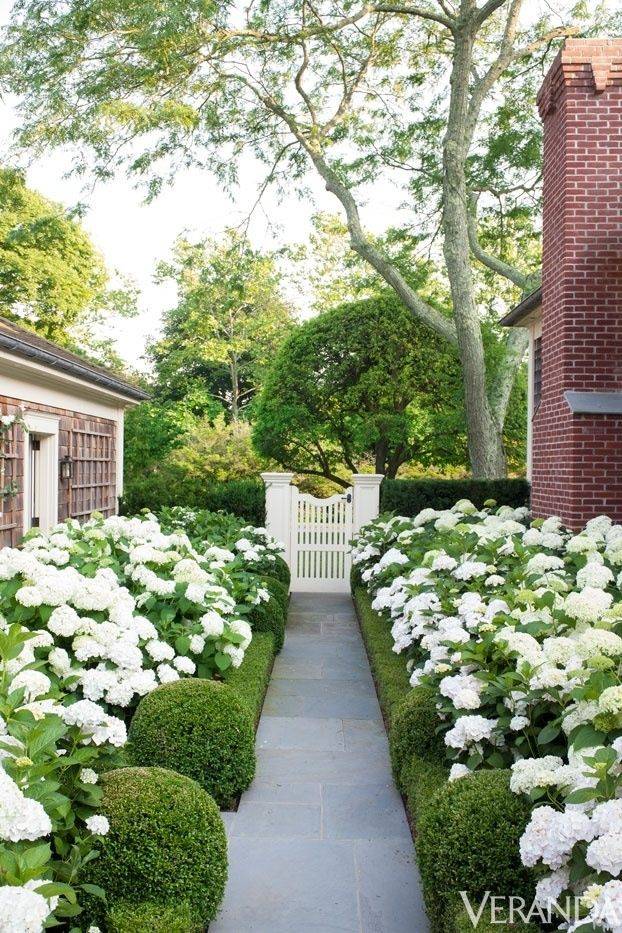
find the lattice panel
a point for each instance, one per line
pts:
(11, 473)
(321, 539)
(93, 485)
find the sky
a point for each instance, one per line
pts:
(133, 236)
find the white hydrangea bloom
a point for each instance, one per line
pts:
(587, 605)
(549, 888)
(469, 730)
(594, 575)
(551, 835)
(22, 910)
(97, 824)
(464, 690)
(458, 771)
(34, 683)
(606, 905)
(21, 818)
(167, 674)
(184, 665)
(530, 773)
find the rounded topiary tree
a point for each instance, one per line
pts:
(166, 846)
(467, 840)
(199, 728)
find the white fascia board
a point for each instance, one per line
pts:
(33, 382)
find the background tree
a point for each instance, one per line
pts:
(441, 93)
(229, 319)
(52, 278)
(363, 381)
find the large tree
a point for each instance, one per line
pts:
(439, 92)
(364, 381)
(228, 322)
(52, 278)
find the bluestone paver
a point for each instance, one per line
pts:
(320, 842)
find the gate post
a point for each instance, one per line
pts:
(279, 509)
(365, 499)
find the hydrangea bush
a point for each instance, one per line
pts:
(51, 749)
(124, 607)
(517, 627)
(92, 618)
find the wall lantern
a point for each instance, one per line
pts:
(66, 468)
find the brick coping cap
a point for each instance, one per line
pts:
(604, 56)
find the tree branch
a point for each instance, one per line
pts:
(426, 313)
(525, 282)
(406, 10)
(501, 388)
(483, 13)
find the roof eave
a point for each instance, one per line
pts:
(521, 314)
(47, 358)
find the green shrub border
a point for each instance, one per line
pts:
(250, 680)
(408, 496)
(245, 498)
(418, 778)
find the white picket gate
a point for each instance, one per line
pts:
(317, 532)
(320, 542)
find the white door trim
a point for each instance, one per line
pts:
(46, 428)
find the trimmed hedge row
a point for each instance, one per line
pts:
(467, 830)
(250, 681)
(408, 496)
(269, 617)
(243, 497)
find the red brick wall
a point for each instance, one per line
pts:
(91, 443)
(577, 459)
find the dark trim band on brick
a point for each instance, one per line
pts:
(594, 403)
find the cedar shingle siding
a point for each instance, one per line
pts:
(89, 440)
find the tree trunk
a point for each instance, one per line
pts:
(235, 389)
(380, 456)
(485, 438)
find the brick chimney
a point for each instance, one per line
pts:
(577, 427)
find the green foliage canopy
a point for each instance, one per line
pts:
(228, 321)
(437, 96)
(363, 380)
(50, 271)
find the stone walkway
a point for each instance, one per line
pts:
(320, 841)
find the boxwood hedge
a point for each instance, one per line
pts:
(199, 728)
(409, 496)
(166, 846)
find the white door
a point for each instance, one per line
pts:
(320, 542)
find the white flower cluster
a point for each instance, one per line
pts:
(107, 611)
(107, 634)
(498, 615)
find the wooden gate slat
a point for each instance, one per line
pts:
(321, 542)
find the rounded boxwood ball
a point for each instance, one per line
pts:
(199, 728)
(467, 840)
(166, 845)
